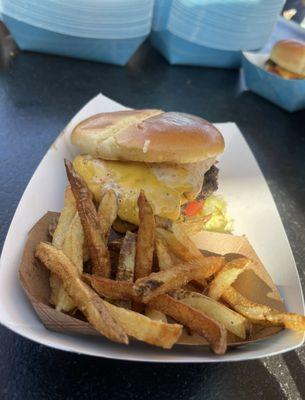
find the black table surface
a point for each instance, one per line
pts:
(39, 94)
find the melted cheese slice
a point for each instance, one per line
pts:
(166, 187)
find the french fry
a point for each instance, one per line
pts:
(145, 329)
(262, 314)
(59, 298)
(164, 258)
(73, 244)
(115, 244)
(295, 322)
(56, 293)
(114, 247)
(164, 281)
(195, 320)
(179, 244)
(232, 321)
(107, 212)
(110, 289)
(226, 276)
(173, 244)
(73, 249)
(85, 299)
(155, 314)
(98, 250)
(85, 252)
(122, 290)
(65, 219)
(145, 238)
(182, 237)
(213, 331)
(167, 260)
(126, 263)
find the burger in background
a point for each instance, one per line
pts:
(171, 156)
(287, 59)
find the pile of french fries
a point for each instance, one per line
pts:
(146, 285)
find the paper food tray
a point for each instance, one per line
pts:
(250, 204)
(286, 93)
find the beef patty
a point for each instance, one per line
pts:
(210, 183)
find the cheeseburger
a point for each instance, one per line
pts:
(171, 156)
(287, 59)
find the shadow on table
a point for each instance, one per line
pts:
(40, 372)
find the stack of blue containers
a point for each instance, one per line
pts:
(212, 32)
(100, 30)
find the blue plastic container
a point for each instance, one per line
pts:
(212, 32)
(182, 52)
(286, 93)
(224, 24)
(114, 51)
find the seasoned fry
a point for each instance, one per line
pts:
(262, 314)
(114, 247)
(85, 252)
(85, 299)
(226, 276)
(195, 320)
(107, 212)
(65, 219)
(115, 244)
(164, 258)
(155, 314)
(167, 260)
(145, 238)
(214, 332)
(295, 322)
(114, 290)
(232, 321)
(173, 244)
(145, 329)
(73, 249)
(164, 281)
(164, 262)
(183, 238)
(55, 289)
(179, 244)
(126, 263)
(98, 251)
(122, 290)
(59, 297)
(73, 244)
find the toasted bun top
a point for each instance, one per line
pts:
(148, 136)
(289, 54)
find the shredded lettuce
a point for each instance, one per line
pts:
(220, 220)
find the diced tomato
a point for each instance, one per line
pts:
(193, 208)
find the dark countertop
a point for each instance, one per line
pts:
(39, 94)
